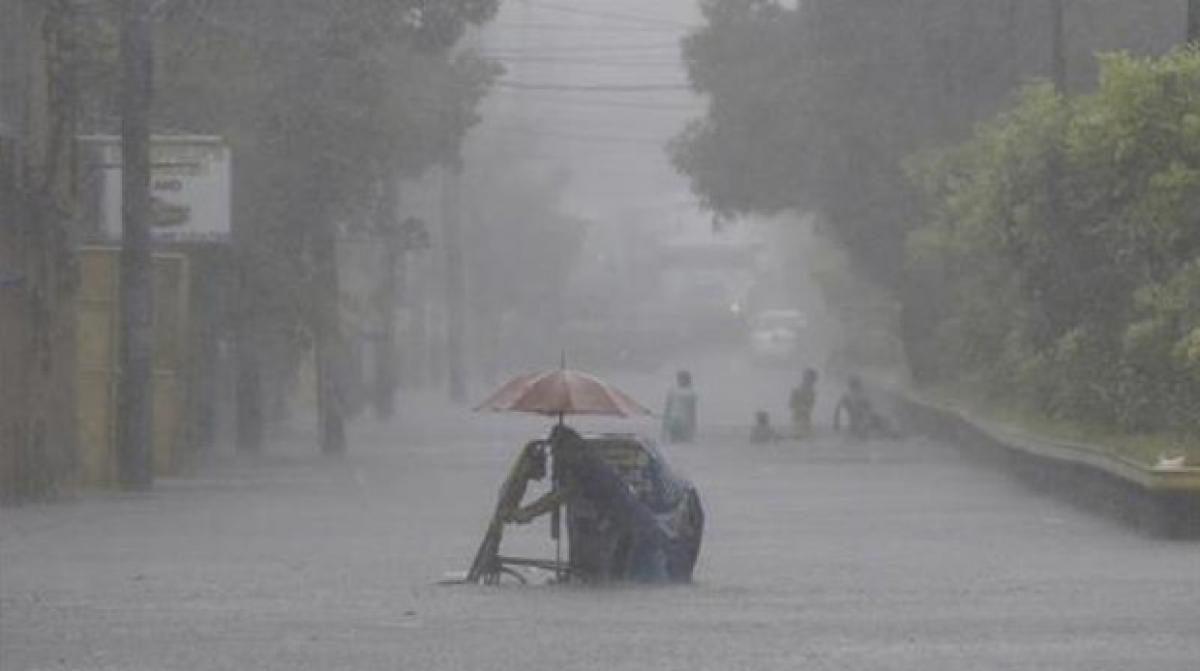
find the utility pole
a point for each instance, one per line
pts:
(455, 281)
(1058, 46)
(328, 333)
(1011, 43)
(1193, 22)
(135, 421)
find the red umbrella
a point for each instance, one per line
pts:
(562, 392)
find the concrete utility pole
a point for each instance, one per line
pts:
(328, 334)
(1193, 21)
(455, 281)
(1058, 45)
(135, 397)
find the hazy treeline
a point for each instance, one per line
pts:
(839, 107)
(326, 104)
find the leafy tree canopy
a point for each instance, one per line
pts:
(1087, 308)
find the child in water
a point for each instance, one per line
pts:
(763, 432)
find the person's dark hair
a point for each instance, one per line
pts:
(855, 382)
(762, 417)
(683, 378)
(810, 375)
(562, 432)
(535, 459)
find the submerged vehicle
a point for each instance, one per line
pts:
(628, 516)
(775, 335)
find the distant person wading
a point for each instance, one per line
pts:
(802, 401)
(679, 413)
(863, 421)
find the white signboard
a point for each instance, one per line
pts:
(189, 187)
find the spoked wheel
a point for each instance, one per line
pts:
(504, 574)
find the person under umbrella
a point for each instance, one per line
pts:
(558, 392)
(641, 553)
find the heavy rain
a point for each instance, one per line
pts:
(599, 334)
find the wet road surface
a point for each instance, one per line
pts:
(822, 555)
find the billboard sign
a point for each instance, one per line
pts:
(190, 186)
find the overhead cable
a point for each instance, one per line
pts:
(614, 16)
(580, 48)
(592, 101)
(604, 88)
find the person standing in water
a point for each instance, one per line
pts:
(679, 414)
(802, 402)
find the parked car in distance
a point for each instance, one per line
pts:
(775, 334)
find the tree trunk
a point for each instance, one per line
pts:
(455, 281)
(386, 377)
(249, 428)
(248, 385)
(327, 329)
(417, 352)
(135, 394)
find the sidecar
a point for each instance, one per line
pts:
(629, 516)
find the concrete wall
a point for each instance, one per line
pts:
(1115, 491)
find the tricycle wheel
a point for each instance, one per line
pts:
(498, 576)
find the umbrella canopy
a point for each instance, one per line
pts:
(562, 392)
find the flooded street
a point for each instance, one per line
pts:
(817, 555)
(260, 259)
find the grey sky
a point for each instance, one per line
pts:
(610, 141)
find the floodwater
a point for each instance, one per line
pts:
(824, 555)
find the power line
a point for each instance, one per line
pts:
(599, 102)
(578, 28)
(576, 137)
(615, 16)
(581, 48)
(632, 65)
(603, 88)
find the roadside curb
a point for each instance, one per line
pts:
(1161, 503)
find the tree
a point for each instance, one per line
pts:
(321, 102)
(40, 88)
(816, 109)
(1082, 308)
